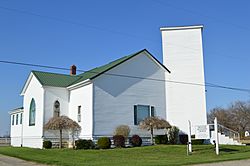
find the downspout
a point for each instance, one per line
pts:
(43, 112)
(22, 130)
(93, 105)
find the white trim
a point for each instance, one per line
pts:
(79, 85)
(19, 110)
(45, 86)
(27, 84)
(150, 57)
(181, 27)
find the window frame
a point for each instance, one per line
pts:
(151, 112)
(79, 113)
(32, 113)
(13, 120)
(21, 118)
(17, 118)
(56, 111)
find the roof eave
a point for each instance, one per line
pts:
(17, 110)
(181, 27)
(118, 63)
(26, 84)
(157, 61)
(138, 53)
(79, 84)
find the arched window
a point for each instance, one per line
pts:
(32, 115)
(56, 109)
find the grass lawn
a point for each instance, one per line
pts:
(150, 155)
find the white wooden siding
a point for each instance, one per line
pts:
(115, 97)
(32, 135)
(83, 97)
(183, 55)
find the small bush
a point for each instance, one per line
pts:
(123, 130)
(183, 139)
(104, 143)
(47, 144)
(119, 141)
(161, 139)
(84, 144)
(198, 141)
(173, 135)
(135, 140)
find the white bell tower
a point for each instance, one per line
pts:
(183, 56)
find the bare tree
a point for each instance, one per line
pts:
(152, 123)
(223, 116)
(62, 123)
(241, 116)
(236, 116)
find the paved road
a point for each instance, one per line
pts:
(11, 161)
(228, 163)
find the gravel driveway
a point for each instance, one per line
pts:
(228, 163)
(12, 161)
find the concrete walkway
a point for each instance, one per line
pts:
(228, 163)
(12, 161)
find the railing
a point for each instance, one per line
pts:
(4, 141)
(229, 132)
(226, 131)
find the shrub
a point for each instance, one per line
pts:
(135, 140)
(161, 139)
(123, 130)
(47, 144)
(119, 141)
(173, 135)
(183, 139)
(198, 141)
(104, 143)
(84, 144)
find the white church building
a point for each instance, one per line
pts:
(122, 92)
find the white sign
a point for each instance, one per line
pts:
(202, 132)
(246, 134)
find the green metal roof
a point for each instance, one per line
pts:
(54, 79)
(63, 80)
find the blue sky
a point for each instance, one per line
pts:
(93, 33)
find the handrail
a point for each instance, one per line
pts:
(236, 135)
(228, 129)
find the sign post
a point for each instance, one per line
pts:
(216, 136)
(189, 137)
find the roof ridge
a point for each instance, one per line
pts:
(64, 80)
(93, 73)
(53, 73)
(107, 63)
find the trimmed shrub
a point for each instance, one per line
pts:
(161, 139)
(173, 135)
(104, 143)
(135, 140)
(47, 144)
(84, 144)
(198, 141)
(119, 141)
(183, 139)
(123, 130)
